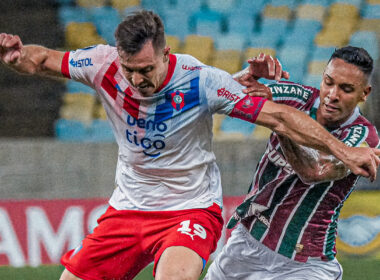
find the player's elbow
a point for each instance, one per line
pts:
(313, 177)
(310, 179)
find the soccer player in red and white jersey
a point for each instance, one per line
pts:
(288, 221)
(166, 206)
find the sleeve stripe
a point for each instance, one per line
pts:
(65, 65)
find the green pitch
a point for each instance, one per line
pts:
(354, 269)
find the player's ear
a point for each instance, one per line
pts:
(366, 92)
(166, 53)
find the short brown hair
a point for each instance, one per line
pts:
(138, 28)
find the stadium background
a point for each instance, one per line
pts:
(56, 147)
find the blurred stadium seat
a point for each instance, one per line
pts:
(316, 67)
(373, 2)
(82, 34)
(294, 61)
(76, 87)
(106, 20)
(228, 60)
(261, 133)
(322, 53)
(100, 131)
(78, 106)
(174, 43)
(67, 14)
(221, 6)
(242, 23)
(175, 25)
(311, 12)
(192, 46)
(99, 111)
(70, 130)
(288, 3)
(279, 12)
(372, 11)
(230, 41)
(367, 40)
(253, 52)
(236, 128)
(203, 17)
(121, 5)
(91, 3)
(324, 3)
(312, 80)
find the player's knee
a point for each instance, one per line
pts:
(179, 263)
(67, 275)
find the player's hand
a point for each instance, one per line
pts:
(254, 88)
(10, 48)
(265, 66)
(363, 161)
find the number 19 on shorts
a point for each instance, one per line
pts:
(192, 229)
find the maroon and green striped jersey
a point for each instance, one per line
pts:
(290, 217)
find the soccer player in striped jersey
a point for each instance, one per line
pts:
(166, 207)
(288, 221)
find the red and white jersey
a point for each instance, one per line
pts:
(165, 161)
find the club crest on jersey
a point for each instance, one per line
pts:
(178, 100)
(247, 103)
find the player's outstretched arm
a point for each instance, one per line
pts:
(302, 129)
(30, 59)
(312, 166)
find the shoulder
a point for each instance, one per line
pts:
(188, 62)
(96, 52)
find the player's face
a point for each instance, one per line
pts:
(343, 86)
(145, 70)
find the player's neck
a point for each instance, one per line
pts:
(168, 72)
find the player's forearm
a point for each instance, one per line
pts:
(38, 60)
(300, 128)
(311, 165)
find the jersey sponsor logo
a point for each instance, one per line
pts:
(195, 230)
(355, 136)
(278, 160)
(151, 144)
(222, 92)
(84, 62)
(178, 100)
(191, 68)
(290, 90)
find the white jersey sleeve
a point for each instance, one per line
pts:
(83, 65)
(221, 90)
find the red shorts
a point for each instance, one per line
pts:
(125, 241)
